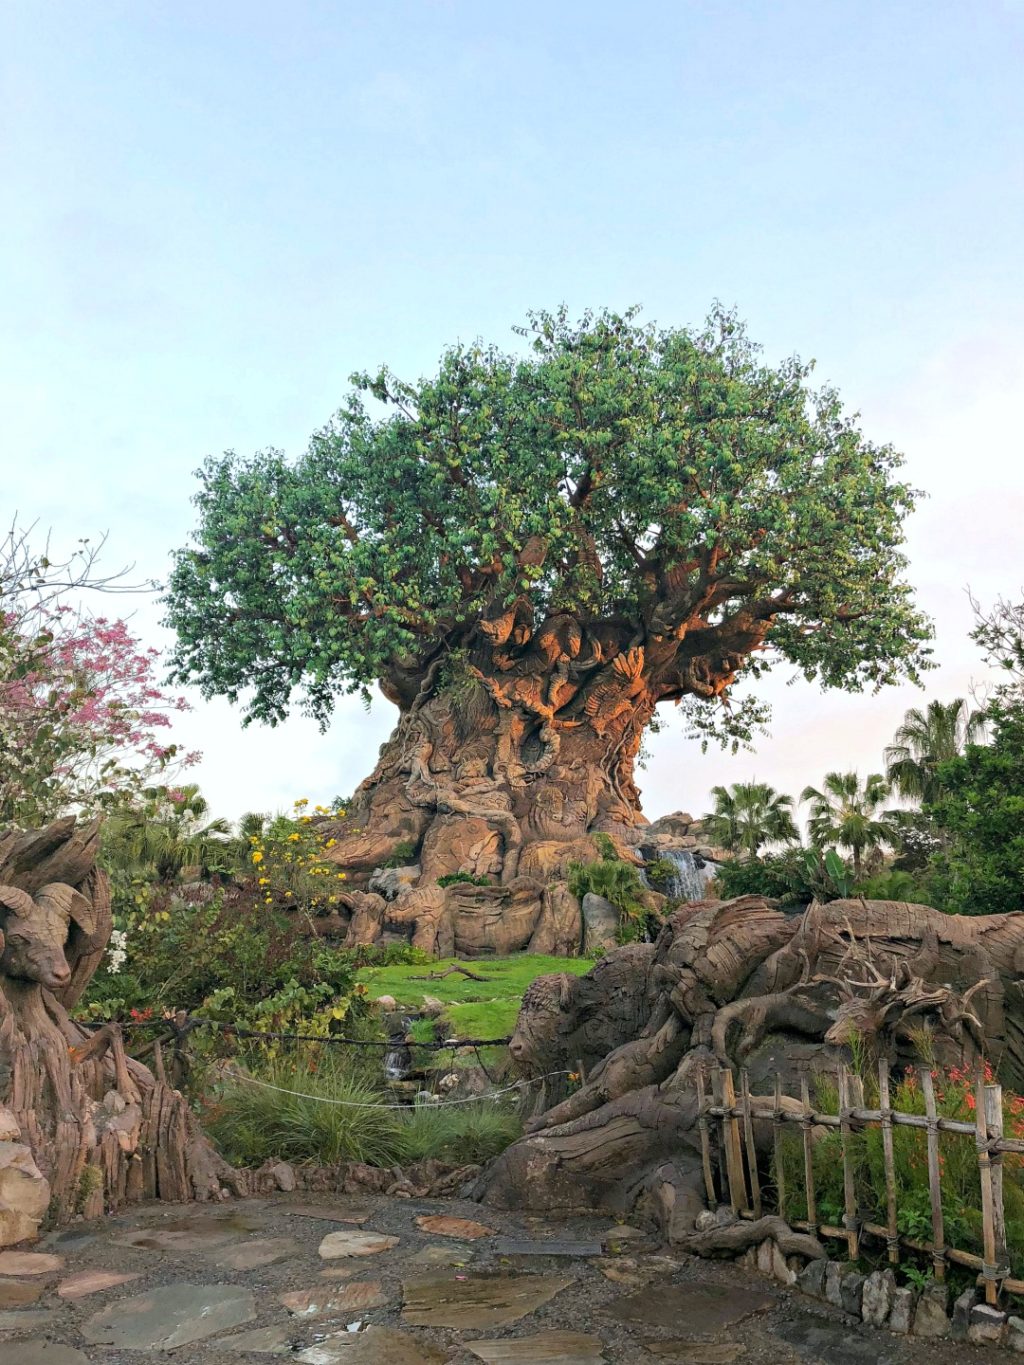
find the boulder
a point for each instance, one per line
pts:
(1015, 1335)
(901, 1314)
(493, 921)
(24, 1193)
(559, 929)
(548, 859)
(812, 1279)
(390, 882)
(600, 923)
(879, 1290)
(931, 1318)
(987, 1326)
(851, 1292)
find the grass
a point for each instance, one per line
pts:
(473, 1009)
(298, 1122)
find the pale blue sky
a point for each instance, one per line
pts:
(213, 213)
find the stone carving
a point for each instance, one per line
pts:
(82, 1126)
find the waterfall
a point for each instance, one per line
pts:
(691, 875)
(398, 1058)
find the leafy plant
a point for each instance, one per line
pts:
(749, 815)
(462, 878)
(849, 814)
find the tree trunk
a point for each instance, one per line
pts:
(488, 778)
(96, 1127)
(738, 983)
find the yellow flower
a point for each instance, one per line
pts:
(294, 838)
(330, 843)
(288, 893)
(264, 881)
(257, 857)
(302, 801)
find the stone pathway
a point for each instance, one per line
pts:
(407, 1282)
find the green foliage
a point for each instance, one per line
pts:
(845, 813)
(895, 885)
(463, 878)
(660, 873)
(925, 740)
(749, 815)
(794, 877)
(603, 474)
(403, 855)
(618, 882)
(961, 1188)
(325, 1111)
(980, 809)
(164, 833)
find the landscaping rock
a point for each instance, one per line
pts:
(91, 1282)
(259, 1252)
(987, 1326)
(275, 1341)
(29, 1263)
(901, 1314)
(879, 1291)
(700, 1309)
(478, 1301)
(375, 1346)
(24, 1193)
(328, 1212)
(18, 1293)
(812, 1279)
(390, 882)
(546, 1348)
(961, 1316)
(834, 1273)
(931, 1318)
(40, 1353)
(338, 1244)
(284, 1176)
(26, 1319)
(440, 1225)
(1015, 1334)
(600, 924)
(851, 1291)
(764, 1257)
(171, 1316)
(325, 1298)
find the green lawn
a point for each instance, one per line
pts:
(473, 1009)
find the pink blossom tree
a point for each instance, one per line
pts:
(82, 714)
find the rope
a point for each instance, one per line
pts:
(356, 1104)
(197, 1021)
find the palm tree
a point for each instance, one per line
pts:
(170, 834)
(748, 815)
(926, 739)
(849, 815)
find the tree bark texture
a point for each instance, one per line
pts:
(101, 1130)
(739, 983)
(504, 774)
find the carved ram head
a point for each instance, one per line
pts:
(35, 932)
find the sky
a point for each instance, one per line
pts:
(213, 213)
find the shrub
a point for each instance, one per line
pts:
(460, 878)
(618, 882)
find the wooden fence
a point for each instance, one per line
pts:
(741, 1184)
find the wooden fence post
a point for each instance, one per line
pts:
(850, 1220)
(705, 1141)
(807, 1123)
(988, 1114)
(892, 1238)
(748, 1138)
(733, 1149)
(780, 1175)
(934, 1174)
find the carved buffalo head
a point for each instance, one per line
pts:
(538, 1043)
(35, 932)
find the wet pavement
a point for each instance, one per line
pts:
(385, 1281)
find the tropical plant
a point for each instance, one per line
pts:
(926, 739)
(845, 813)
(166, 833)
(749, 815)
(531, 552)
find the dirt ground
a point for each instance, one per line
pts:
(630, 1302)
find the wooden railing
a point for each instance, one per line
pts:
(741, 1184)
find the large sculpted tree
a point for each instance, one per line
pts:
(529, 554)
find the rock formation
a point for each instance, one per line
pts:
(83, 1127)
(740, 983)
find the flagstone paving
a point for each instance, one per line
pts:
(370, 1281)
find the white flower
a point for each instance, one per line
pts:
(118, 950)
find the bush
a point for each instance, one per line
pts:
(961, 1187)
(307, 1118)
(618, 882)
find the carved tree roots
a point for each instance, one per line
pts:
(100, 1127)
(740, 983)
